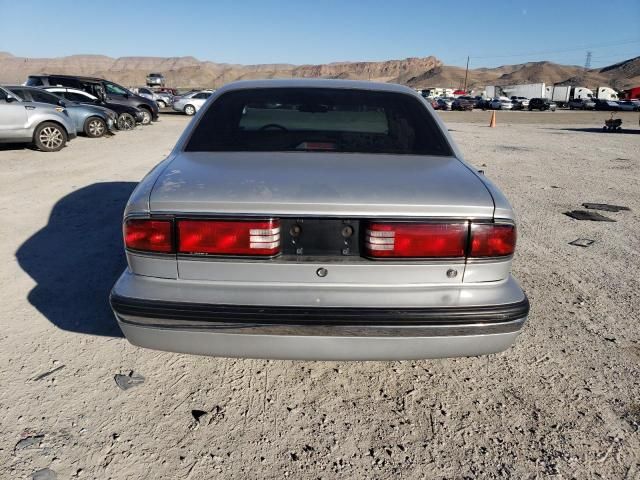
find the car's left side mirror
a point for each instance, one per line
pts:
(62, 103)
(10, 99)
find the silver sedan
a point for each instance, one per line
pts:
(318, 219)
(191, 102)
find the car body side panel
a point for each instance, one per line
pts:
(32, 114)
(138, 202)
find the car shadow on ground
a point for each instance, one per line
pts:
(77, 257)
(165, 111)
(627, 131)
(16, 146)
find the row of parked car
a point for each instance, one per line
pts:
(50, 110)
(188, 103)
(523, 103)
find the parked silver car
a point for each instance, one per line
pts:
(582, 104)
(501, 103)
(162, 99)
(628, 106)
(91, 120)
(318, 219)
(155, 79)
(46, 126)
(519, 103)
(191, 102)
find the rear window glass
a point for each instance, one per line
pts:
(34, 82)
(315, 119)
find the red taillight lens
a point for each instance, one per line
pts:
(492, 240)
(149, 235)
(229, 237)
(416, 240)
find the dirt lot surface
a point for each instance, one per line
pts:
(563, 402)
(592, 119)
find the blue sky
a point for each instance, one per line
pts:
(491, 32)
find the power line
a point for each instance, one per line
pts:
(549, 52)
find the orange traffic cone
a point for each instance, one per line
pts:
(492, 122)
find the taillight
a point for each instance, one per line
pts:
(149, 235)
(416, 240)
(490, 240)
(229, 237)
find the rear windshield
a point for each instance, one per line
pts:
(314, 119)
(34, 82)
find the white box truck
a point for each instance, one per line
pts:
(490, 91)
(560, 94)
(530, 90)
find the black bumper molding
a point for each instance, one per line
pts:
(177, 314)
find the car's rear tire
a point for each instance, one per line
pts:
(95, 127)
(146, 116)
(190, 110)
(126, 122)
(50, 137)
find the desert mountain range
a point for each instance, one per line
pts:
(415, 72)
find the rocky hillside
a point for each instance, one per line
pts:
(189, 72)
(416, 72)
(622, 75)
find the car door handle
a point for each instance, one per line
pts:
(29, 107)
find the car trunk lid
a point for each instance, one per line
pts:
(320, 185)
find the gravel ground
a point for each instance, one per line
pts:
(591, 119)
(563, 402)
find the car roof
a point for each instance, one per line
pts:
(77, 77)
(66, 89)
(318, 83)
(24, 87)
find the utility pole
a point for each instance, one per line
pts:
(587, 62)
(466, 74)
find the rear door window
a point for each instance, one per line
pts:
(34, 82)
(24, 94)
(76, 97)
(318, 119)
(44, 97)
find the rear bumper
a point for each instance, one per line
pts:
(315, 333)
(316, 347)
